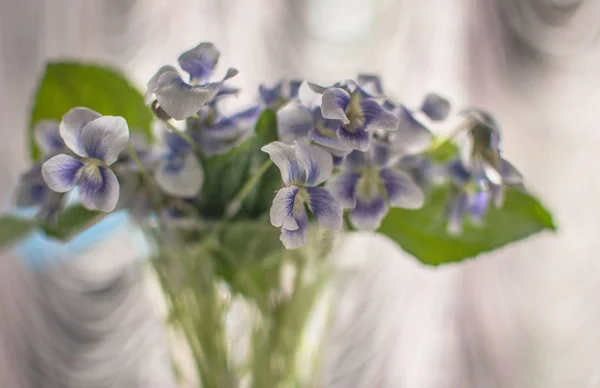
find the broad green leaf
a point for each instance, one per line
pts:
(422, 233)
(71, 222)
(12, 229)
(66, 85)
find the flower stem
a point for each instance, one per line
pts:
(442, 140)
(235, 204)
(154, 193)
(182, 134)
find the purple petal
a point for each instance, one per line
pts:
(105, 138)
(153, 82)
(356, 160)
(31, 189)
(510, 175)
(293, 122)
(179, 99)
(324, 132)
(317, 163)
(356, 140)
(435, 107)
(334, 103)
(293, 239)
(72, 124)
(175, 141)
(327, 210)
(343, 187)
(479, 205)
(61, 172)
(368, 212)
(294, 88)
(308, 97)
(412, 136)
(377, 118)
(223, 137)
(401, 190)
(455, 215)
(380, 153)
(98, 188)
(282, 210)
(286, 159)
(47, 136)
(200, 61)
(270, 96)
(457, 172)
(180, 175)
(247, 116)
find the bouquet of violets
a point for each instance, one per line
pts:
(232, 202)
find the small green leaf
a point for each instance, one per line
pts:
(12, 229)
(422, 232)
(66, 85)
(71, 222)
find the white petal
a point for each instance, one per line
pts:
(153, 83)
(308, 96)
(401, 189)
(71, 125)
(98, 188)
(105, 138)
(184, 180)
(61, 172)
(282, 210)
(293, 122)
(334, 104)
(317, 163)
(180, 100)
(286, 159)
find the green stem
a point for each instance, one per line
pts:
(236, 203)
(154, 193)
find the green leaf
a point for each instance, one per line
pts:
(422, 232)
(71, 222)
(66, 85)
(13, 229)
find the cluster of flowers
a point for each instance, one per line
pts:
(345, 146)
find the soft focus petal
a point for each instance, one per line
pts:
(334, 103)
(412, 136)
(105, 138)
(343, 187)
(401, 190)
(293, 122)
(71, 125)
(31, 189)
(357, 140)
(317, 163)
(247, 116)
(455, 214)
(309, 97)
(282, 210)
(153, 82)
(457, 172)
(270, 96)
(200, 61)
(61, 172)
(328, 138)
(47, 136)
(180, 100)
(356, 160)
(368, 213)
(286, 159)
(180, 175)
(370, 83)
(479, 205)
(98, 188)
(510, 175)
(222, 138)
(175, 142)
(296, 238)
(327, 210)
(377, 118)
(380, 153)
(435, 107)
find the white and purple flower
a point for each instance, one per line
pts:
(303, 167)
(358, 114)
(369, 185)
(96, 140)
(33, 192)
(178, 172)
(180, 99)
(276, 96)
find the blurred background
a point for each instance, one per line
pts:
(524, 317)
